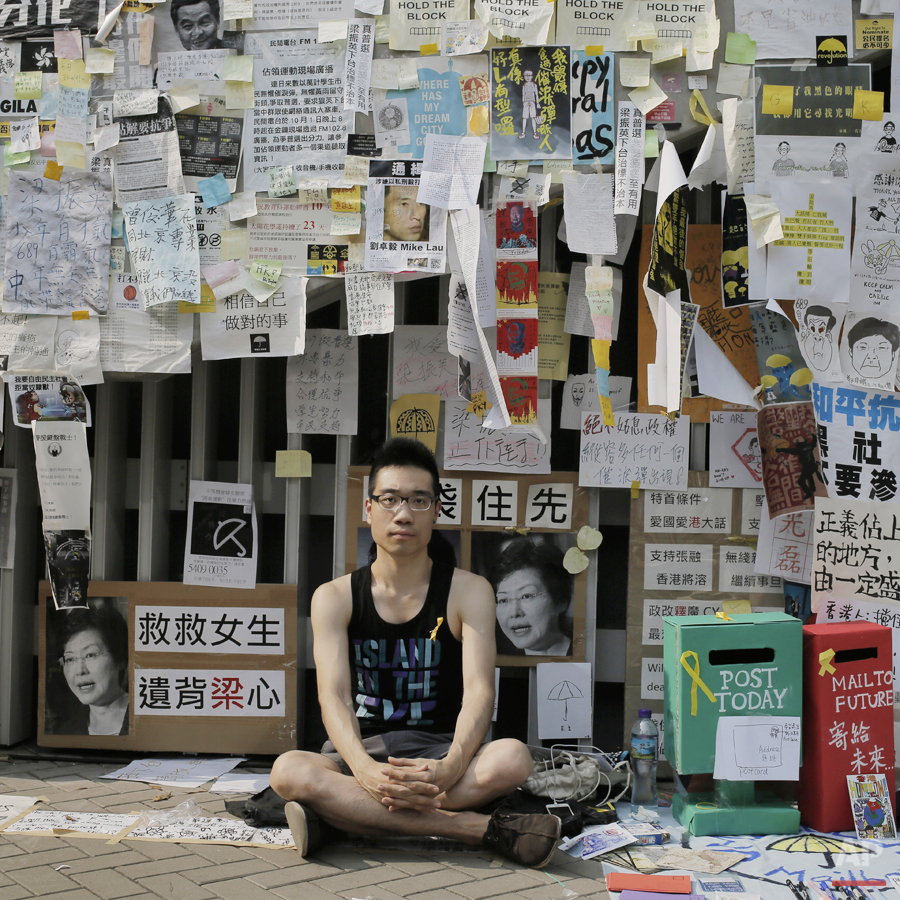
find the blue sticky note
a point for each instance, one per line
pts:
(118, 224)
(214, 191)
(602, 382)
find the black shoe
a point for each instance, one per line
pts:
(306, 828)
(529, 839)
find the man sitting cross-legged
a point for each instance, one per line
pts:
(405, 654)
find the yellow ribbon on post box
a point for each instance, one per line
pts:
(696, 679)
(724, 616)
(825, 658)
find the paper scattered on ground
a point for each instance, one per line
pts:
(214, 831)
(244, 783)
(10, 806)
(596, 840)
(182, 772)
(50, 820)
(709, 862)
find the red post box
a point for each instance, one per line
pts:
(848, 717)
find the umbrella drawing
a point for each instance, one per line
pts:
(565, 691)
(817, 843)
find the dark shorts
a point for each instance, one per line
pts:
(401, 744)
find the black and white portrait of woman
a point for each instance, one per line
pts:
(534, 591)
(87, 669)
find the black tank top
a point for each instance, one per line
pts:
(406, 676)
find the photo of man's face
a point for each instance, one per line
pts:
(197, 25)
(516, 216)
(405, 219)
(872, 356)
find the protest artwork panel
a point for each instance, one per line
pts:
(188, 662)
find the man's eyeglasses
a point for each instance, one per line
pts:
(393, 502)
(68, 661)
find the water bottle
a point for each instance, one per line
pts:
(644, 756)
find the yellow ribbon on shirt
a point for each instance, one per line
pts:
(434, 630)
(696, 679)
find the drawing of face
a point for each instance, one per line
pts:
(516, 216)
(872, 356)
(528, 75)
(92, 674)
(888, 129)
(526, 613)
(840, 151)
(405, 219)
(818, 343)
(784, 148)
(577, 392)
(196, 26)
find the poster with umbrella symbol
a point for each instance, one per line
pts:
(564, 692)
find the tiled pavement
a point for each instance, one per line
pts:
(143, 870)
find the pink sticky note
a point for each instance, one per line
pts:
(220, 273)
(48, 144)
(67, 44)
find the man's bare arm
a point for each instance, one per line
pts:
(330, 616)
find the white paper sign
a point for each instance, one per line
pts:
(226, 692)
(678, 567)
(649, 449)
(564, 700)
(204, 629)
(758, 748)
(695, 511)
(64, 474)
(221, 546)
(738, 575)
(735, 459)
(181, 772)
(652, 678)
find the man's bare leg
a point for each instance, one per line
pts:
(338, 799)
(318, 783)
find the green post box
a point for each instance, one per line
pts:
(749, 665)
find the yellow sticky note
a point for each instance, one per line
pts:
(53, 170)
(239, 68)
(778, 100)
(99, 61)
(868, 105)
(428, 49)
(79, 314)
(346, 199)
(651, 144)
(740, 48)
(207, 302)
(70, 153)
(607, 410)
(234, 244)
(736, 607)
(601, 353)
(239, 94)
(479, 404)
(874, 34)
(478, 121)
(268, 271)
(293, 464)
(73, 73)
(28, 86)
(416, 416)
(635, 490)
(594, 50)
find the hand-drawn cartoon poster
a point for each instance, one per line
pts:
(593, 107)
(869, 349)
(820, 324)
(821, 139)
(735, 459)
(812, 260)
(860, 458)
(735, 255)
(401, 233)
(667, 250)
(47, 398)
(783, 376)
(437, 105)
(563, 700)
(221, 548)
(791, 467)
(517, 284)
(531, 111)
(870, 798)
(516, 224)
(875, 270)
(57, 243)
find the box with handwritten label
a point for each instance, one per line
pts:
(848, 717)
(747, 665)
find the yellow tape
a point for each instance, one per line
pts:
(594, 50)
(724, 616)
(825, 658)
(80, 314)
(635, 490)
(428, 49)
(705, 117)
(697, 681)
